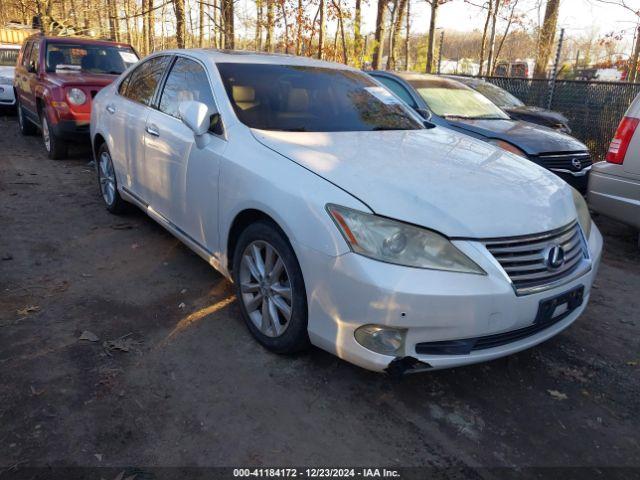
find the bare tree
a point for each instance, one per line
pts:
(380, 34)
(547, 36)
(321, 29)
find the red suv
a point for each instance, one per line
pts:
(56, 80)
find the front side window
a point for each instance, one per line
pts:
(398, 89)
(186, 81)
(25, 54)
(497, 95)
(452, 99)
(34, 55)
(8, 57)
(311, 99)
(142, 82)
(100, 59)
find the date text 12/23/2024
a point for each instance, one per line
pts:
(315, 473)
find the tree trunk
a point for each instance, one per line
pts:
(201, 25)
(506, 32)
(258, 37)
(286, 28)
(432, 35)
(178, 7)
(229, 27)
(357, 34)
(321, 30)
(395, 34)
(547, 35)
(299, 13)
(406, 42)
(381, 28)
(633, 67)
(150, 19)
(338, 7)
(492, 38)
(269, 43)
(483, 43)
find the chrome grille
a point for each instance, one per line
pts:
(564, 161)
(526, 259)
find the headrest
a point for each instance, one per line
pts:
(55, 58)
(242, 94)
(298, 100)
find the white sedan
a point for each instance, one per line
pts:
(342, 218)
(8, 59)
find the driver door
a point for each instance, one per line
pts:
(185, 188)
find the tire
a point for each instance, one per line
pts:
(284, 334)
(26, 127)
(108, 183)
(56, 148)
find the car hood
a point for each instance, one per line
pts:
(65, 79)
(548, 115)
(531, 138)
(8, 72)
(435, 178)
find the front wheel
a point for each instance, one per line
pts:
(108, 183)
(56, 147)
(270, 288)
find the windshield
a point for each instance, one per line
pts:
(452, 99)
(311, 99)
(103, 59)
(8, 57)
(500, 97)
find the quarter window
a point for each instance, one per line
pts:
(186, 81)
(141, 84)
(398, 89)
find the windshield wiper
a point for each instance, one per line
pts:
(462, 117)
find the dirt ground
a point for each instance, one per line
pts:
(174, 378)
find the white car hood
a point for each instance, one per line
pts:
(435, 178)
(7, 72)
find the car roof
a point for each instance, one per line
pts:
(432, 80)
(237, 56)
(77, 40)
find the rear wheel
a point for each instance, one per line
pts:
(108, 183)
(57, 148)
(26, 127)
(270, 288)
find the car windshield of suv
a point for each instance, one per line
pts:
(101, 59)
(8, 57)
(312, 99)
(452, 99)
(497, 95)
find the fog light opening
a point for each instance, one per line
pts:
(380, 339)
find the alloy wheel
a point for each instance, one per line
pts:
(265, 288)
(107, 178)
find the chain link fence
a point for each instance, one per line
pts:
(593, 108)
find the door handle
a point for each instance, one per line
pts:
(111, 109)
(153, 130)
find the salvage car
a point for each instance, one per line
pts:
(8, 59)
(614, 188)
(451, 104)
(515, 108)
(306, 183)
(56, 80)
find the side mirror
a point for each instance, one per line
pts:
(426, 114)
(197, 116)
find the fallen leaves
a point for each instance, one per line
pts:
(556, 395)
(90, 336)
(27, 310)
(124, 343)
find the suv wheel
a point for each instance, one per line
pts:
(26, 127)
(56, 148)
(108, 183)
(270, 288)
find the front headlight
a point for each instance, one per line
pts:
(399, 243)
(584, 217)
(76, 96)
(507, 146)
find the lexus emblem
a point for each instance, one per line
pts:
(576, 163)
(555, 257)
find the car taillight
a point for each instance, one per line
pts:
(621, 140)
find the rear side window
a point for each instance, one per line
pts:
(187, 81)
(141, 84)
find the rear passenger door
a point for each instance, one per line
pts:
(185, 184)
(129, 112)
(26, 76)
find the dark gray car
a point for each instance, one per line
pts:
(514, 107)
(453, 105)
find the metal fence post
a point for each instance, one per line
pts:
(554, 73)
